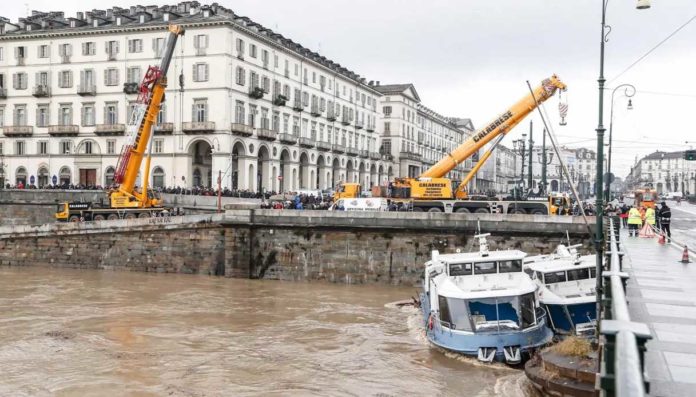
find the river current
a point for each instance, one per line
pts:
(81, 333)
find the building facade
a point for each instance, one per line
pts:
(415, 136)
(581, 164)
(243, 102)
(665, 172)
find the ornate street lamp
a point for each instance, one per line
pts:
(629, 91)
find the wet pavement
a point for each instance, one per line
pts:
(662, 293)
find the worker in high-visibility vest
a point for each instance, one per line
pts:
(634, 222)
(650, 216)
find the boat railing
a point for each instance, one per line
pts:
(622, 341)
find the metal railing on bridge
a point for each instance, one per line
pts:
(622, 341)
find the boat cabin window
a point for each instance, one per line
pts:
(492, 314)
(529, 272)
(578, 274)
(454, 314)
(460, 269)
(484, 267)
(444, 309)
(527, 308)
(554, 277)
(510, 266)
(593, 272)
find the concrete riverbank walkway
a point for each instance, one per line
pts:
(662, 293)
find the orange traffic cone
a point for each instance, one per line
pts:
(685, 255)
(661, 239)
(646, 231)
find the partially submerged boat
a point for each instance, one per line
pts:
(483, 304)
(567, 291)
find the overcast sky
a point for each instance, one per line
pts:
(471, 58)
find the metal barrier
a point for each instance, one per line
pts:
(622, 340)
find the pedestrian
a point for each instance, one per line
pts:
(665, 216)
(642, 215)
(650, 216)
(634, 221)
(624, 215)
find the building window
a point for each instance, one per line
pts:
(158, 144)
(88, 147)
(158, 177)
(65, 79)
(387, 127)
(44, 51)
(88, 114)
(111, 77)
(111, 146)
(2, 116)
(135, 45)
(112, 49)
(200, 43)
(89, 48)
(240, 76)
(19, 81)
(111, 113)
(20, 115)
(240, 48)
(66, 114)
(19, 148)
(387, 110)
(42, 147)
(134, 75)
(252, 50)
(264, 58)
(161, 115)
(42, 116)
(158, 46)
(200, 110)
(65, 51)
(239, 112)
(200, 72)
(65, 147)
(252, 116)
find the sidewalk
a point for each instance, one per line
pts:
(662, 293)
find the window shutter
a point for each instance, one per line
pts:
(16, 51)
(15, 81)
(84, 48)
(206, 72)
(193, 112)
(116, 47)
(70, 79)
(195, 72)
(154, 46)
(106, 77)
(205, 40)
(115, 82)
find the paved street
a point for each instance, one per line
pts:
(661, 294)
(684, 223)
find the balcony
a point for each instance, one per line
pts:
(338, 148)
(345, 121)
(41, 91)
(287, 138)
(18, 130)
(375, 156)
(256, 92)
(20, 61)
(164, 129)
(298, 106)
(351, 151)
(3, 93)
(65, 59)
(201, 127)
(63, 130)
(110, 129)
(241, 129)
(280, 100)
(315, 111)
(331, 115)
(130, 88)
(265, 134)
(359, 125)
(307, 142)
(370, 128)
(323, 146)
(409, 156)
(87, 90)
(364, 154)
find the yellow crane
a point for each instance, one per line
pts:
(125, 201)
(432, 191)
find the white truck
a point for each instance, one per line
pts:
(360, 204)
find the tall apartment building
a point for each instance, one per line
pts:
(242, 100)
(665, 172)
(417, 137)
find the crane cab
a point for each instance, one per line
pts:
(347, 190)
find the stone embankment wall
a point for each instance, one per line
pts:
(343, 247)
(35, 207)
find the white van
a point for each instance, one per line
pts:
(360, 204)
(674, 195)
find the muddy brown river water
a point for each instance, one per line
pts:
(102, 333)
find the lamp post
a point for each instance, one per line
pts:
(629, 91)
(531, 157)
(544, 160)
(520, 148)
(599, 205)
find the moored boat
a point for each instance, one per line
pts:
(482, 304)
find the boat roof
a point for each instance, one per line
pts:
(556, 265)
(485, 285)
(463, 257)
